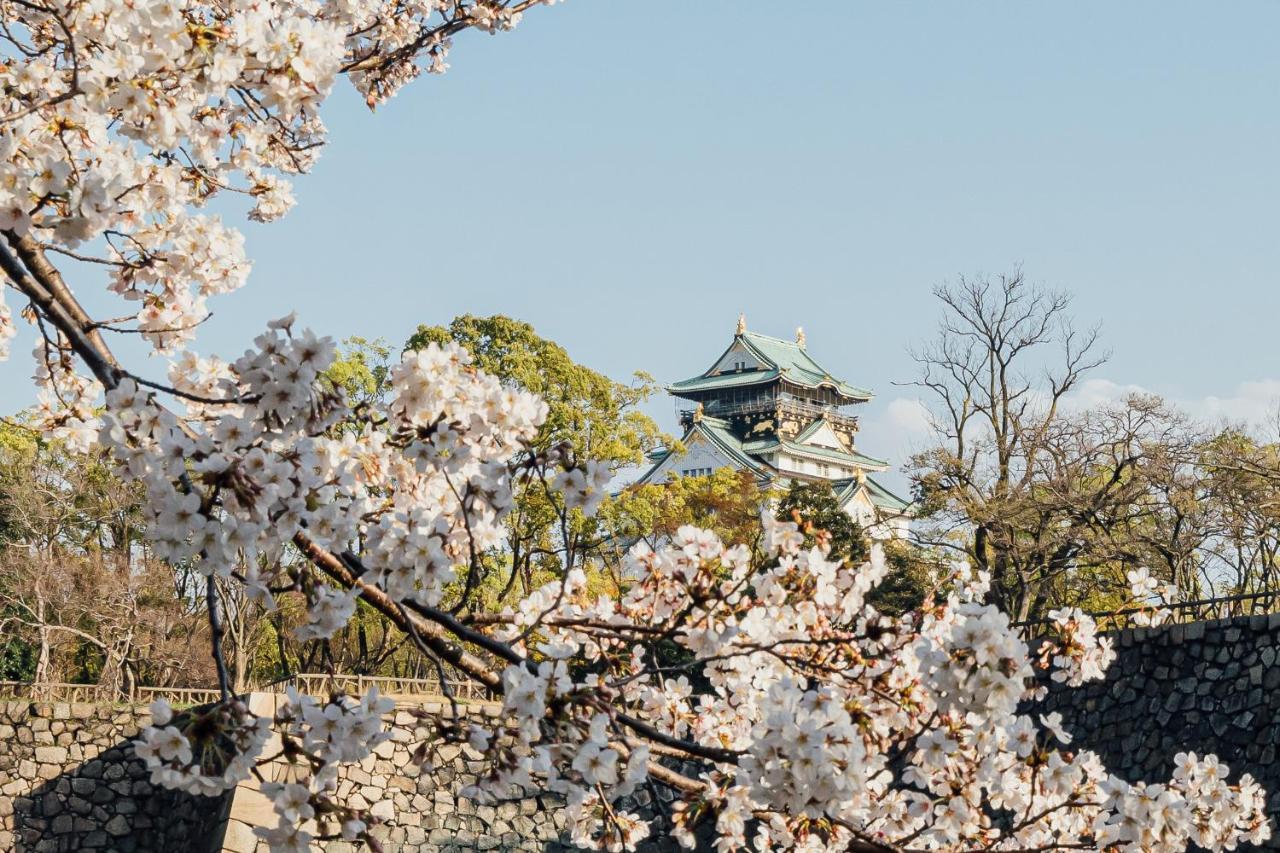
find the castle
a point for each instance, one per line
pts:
(767, 407)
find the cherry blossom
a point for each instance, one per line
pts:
(793, 715)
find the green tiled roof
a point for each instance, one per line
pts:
(769, 445)
(795, 364)
(880, 496)
(720, 435)
(785, 359)
(885, 499)
(724, 380)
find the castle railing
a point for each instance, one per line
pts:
(782, 404)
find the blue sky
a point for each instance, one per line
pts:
(630, 175)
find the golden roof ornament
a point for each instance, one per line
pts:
(742, 323)
(697, 414)
(800, 336)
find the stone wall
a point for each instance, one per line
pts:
(423, 808)
(69, 781)
(1201, 687)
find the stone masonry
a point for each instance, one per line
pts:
(423, 809)
(69, 781)
(1199, 687)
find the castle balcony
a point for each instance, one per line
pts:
(778, 406)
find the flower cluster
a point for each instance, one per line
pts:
(237, 482)
(1196, 806)
(320, 737)
(1078, 652)
(814, 721)
(203, 751)
(121, 122)
(451, 435)
(811, 695)
(1152, 599)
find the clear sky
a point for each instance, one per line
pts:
(628, 175)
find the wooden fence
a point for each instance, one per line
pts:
(322, 684)
(311, 684)
(1182, 612)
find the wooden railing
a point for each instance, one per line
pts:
(1182, 612)
(321, 684)
(311, 684)
(56, 691)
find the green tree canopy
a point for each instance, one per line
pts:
(726, 501)
(362, 369)
(816, 507)
(597, 416)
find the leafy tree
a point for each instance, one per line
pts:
(726, 502)
(81, 596)
(817, 509)
(590, 416)
(595, 416)
(816, 506)
(361, 369)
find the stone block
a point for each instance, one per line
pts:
(239, 838)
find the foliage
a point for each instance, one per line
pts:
(726, 501)
(594, 416)
(81, 597)
(362, 370)
(816, 505)
(590, 417)
(816, 508)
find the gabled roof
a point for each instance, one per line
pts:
(724, 380)
(885, 499)
(718, 433)
(881, 497)
(772, 445)
(788, 360)
(809, 431)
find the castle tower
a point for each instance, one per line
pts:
(766, 406)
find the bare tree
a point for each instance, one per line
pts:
(77, 583)
(1242, 486)
(998, 399)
